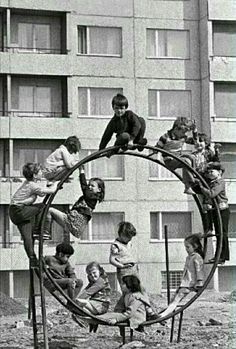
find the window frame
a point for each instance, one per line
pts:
(214, 117)
(166, 43)
(87, 42)
(161, 231)
(172, 272)
(88, 93)
(90, 230)
(158, 105)
(161, 179)
(34, 49)
(227, 179)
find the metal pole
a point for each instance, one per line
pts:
(180, 325)
(167, 264)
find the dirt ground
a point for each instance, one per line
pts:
(197, 330)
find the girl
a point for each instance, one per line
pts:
(131, 306)
(58, 163)
(23, 211)
(192, 278)
(95, 298)
(76, 220)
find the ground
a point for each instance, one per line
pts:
(64, 333)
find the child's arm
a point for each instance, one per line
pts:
(198, 263)
(113, 258)
(107, 135)
(214, 191)
(92, 289)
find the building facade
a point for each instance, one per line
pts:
(61, 62)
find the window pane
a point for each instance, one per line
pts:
(26, 98)
(228, 159)
(43, 99)
(4, 225)
(179, 224)
(25, 35)
(225, 100)
(178, 44)
(158, 171)
(108, 168)
(151, 43)
(83, 101)
(1, 95)
(42, 36)
(170, 105)
(175, 278)
(232, 221)
(105, 40)
(82, 40)
(56, 230)
(224, 39)
(152, 103)
(154, 222)
(162, 43)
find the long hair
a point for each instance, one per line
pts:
(194, 240)
(132, 283)
(101, 185)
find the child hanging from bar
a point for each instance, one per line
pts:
(192, 278)
(76, 220)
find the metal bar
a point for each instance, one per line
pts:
(180, 326)
(172, 329)
(167, 264)
(33, 307)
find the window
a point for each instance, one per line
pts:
(4, 225)
(224, 39)
(104, 168)
(1, 29)
(1, 95)
(157, 172)
(175, 278)
(4, 158)
(37, 97)
(34, 37)
(179, 224)
(104, 41)
(225, 100)
(31, 151)
(167, 43)
(103, 226)
(96, 101)
(165, 104)
(228, 159)
(232, 221)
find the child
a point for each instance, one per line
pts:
(61, 160)
(76, 220)
(217, 190)
(126, 124)
(131, 306)
(95, 298)
(192, 279)
(22, 209)
(62, 272)
(122, 258)
(173, 142)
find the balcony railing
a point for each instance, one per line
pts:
(38, 50)
(41, 114)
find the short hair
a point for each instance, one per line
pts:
(65, 248)
(29, 169)
(215, 165)
(126, 228)
(182, 122)
(132, 282)
(194, 240)
(204, 138)
(95, 264)
(73, 144)
(101, 185)
(120, 100)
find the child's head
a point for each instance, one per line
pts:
(64, 251)
(192, 244)
(214, 170)
(94, 271)
(181, 126)
(203, 142)
(119, 104)
(32, 171)
(72, 144)
(97, 186)
(132, 283)
(126, 231)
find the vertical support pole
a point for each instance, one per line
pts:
(167, 264)
(42, 295)
(131, 334)
(172, 329)
(33, 307)
(180, 326)
(122, 333)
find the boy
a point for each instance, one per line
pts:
(22, 209)
(127, 125)
(122, 258)
(173, 142)
(62, 272)
(217, 191)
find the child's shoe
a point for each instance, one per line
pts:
(189, 191)
(141, 144)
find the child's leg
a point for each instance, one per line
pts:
(180, 294)
(57, 215)
(122, 139)
(225, 214)
(67, 284)
(55, 174)
(26, 234)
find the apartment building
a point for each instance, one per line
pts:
(61, 62)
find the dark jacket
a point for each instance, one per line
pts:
(59, 270)
(129, 123)
(99, 290)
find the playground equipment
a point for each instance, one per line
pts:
(63, 298)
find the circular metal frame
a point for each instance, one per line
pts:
(70, 304)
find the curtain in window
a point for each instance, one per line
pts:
(158, 171)
(100, 100)
(1, 96)
(35, 99)
(232, 222)
(43, 99)
(105, 40)
(151, 43)
(178, 223)
(225, 100)
(25, 35)
(177, 44)
(83, 101)
(108, 168)
(224, 38)
(26, 98)
(174, 104)
(228, 159)
(82, 39)
(42, 36)
(104, 225)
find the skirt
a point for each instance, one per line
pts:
(76, 223)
